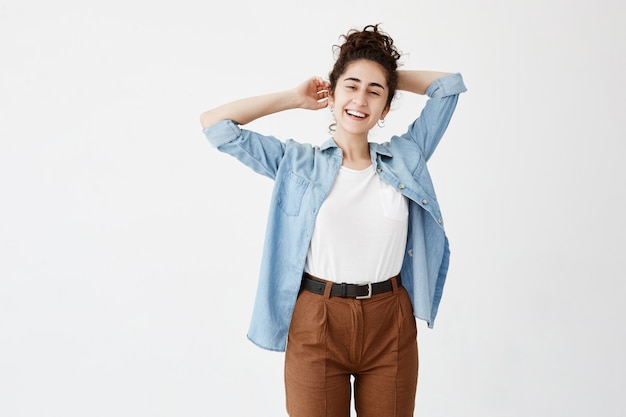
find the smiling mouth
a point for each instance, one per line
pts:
(356, 114)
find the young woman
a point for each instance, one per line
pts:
(355, 246)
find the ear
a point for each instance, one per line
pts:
(385, 112)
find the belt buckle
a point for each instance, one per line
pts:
(369, 290)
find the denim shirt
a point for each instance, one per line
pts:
(303, 176)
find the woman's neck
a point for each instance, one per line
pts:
(356, 151)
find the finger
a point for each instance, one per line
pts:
(322, 102)
(321, 83)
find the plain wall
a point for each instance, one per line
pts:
(129, 249)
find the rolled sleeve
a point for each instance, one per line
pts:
(221, 133)
(259, 152)
(448, 85)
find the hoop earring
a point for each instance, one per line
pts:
(381, 123)
(331, 128)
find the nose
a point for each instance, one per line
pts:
(360, 99)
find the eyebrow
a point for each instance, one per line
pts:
(358, 81)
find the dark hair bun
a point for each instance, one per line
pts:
(369, 43)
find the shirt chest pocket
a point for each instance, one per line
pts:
(395, 205)
(291, 192)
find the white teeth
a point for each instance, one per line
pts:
(355, 113)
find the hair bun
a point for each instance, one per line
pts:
(369, 43)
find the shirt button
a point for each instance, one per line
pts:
(440, 220)
(401, 186)
(424, 201)
(379, 170)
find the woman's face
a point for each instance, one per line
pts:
(360, 97)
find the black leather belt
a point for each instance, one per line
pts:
(358, 291)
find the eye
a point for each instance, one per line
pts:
(375, 93)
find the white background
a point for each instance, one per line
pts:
(129, 249)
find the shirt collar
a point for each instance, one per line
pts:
(380, 149)
(330, 143)
(374, 147)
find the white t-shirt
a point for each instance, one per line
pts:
(360, 231)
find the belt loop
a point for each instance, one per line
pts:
(327, 289)
(394, 284)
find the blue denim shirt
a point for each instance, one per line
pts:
(303, 176)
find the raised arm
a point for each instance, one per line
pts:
(311, 94)
(417, 81)
(443, 92)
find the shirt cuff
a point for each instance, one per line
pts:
(448, 85)
(221, 132)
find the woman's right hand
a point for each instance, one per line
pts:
(313, 93)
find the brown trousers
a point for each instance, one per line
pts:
(332, 338)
